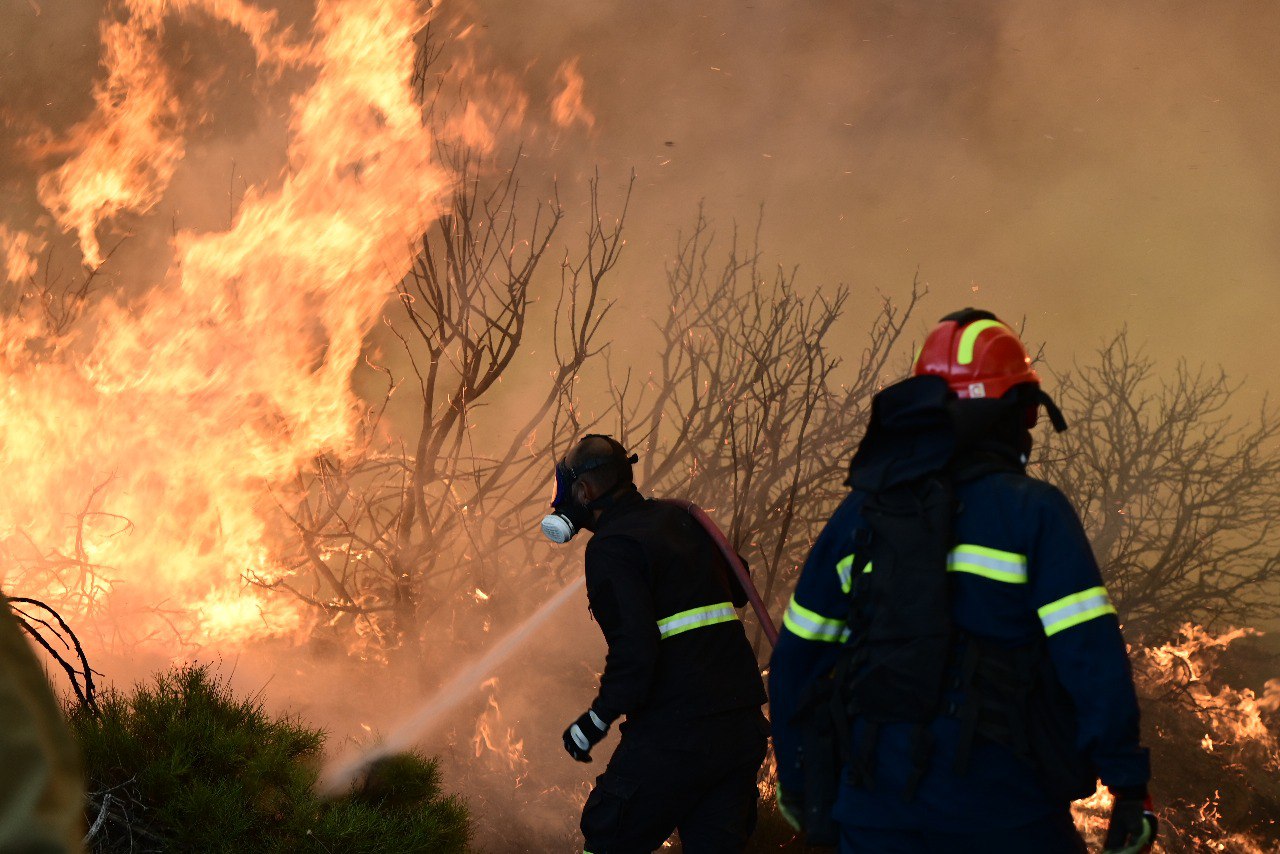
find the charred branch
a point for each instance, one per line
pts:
(80, 674)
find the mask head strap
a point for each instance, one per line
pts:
(618, 457)
(567, 475)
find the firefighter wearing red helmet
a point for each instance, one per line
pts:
(951, 673)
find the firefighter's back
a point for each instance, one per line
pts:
(996, 528)
(705, 664)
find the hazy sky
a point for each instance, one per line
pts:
(1087, 165)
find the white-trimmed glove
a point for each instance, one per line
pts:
(584, 734)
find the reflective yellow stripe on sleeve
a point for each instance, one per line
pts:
(811, 625)
(1075, 609)
(1009, 567)
(844, 569)
(696, 618)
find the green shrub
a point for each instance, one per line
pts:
(191, 767)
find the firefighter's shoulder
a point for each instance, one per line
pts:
(1021, 498)
(820, 604)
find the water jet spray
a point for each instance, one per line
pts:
(338, 776)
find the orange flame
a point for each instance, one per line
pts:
(490, 101)
(1233, 717)
(128, 149)
(496, 741)
(568, 107)
(17, 251)
(189, 408)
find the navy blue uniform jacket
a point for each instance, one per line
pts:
(1021, 568)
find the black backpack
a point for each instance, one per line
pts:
(904, 652)
(894, 664)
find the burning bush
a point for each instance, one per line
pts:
(183, 764)
(1214, 748)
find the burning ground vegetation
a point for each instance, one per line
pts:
(1210, 718)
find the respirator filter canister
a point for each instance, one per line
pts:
(558, 528)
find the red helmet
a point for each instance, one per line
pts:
(976, 354)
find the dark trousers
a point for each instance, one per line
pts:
(1053, 835)
(698, 777)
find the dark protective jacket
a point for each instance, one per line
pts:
(659, 589)
(1021, 571)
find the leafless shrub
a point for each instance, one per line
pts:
(741, 413)
(1179, 492)
(404, 527)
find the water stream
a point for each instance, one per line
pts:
(338, 775)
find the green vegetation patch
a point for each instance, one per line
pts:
(184, 765)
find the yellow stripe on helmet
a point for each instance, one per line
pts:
(969, 337)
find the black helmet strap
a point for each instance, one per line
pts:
(1055, 414)
(618, 458)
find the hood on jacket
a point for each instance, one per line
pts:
(919, 427)
(910, 435)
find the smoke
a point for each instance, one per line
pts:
(1034, 160)
(1083, 165)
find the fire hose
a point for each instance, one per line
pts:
(735, 563)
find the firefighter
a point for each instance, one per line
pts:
(679, 667)
(951, 672)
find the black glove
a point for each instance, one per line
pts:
(583, 734)
(1133, 823)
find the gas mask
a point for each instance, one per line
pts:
(568, 516)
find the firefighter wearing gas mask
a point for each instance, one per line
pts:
(951, 673)
(679, 668)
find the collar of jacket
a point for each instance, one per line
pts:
(984, 459)
(627, 499)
